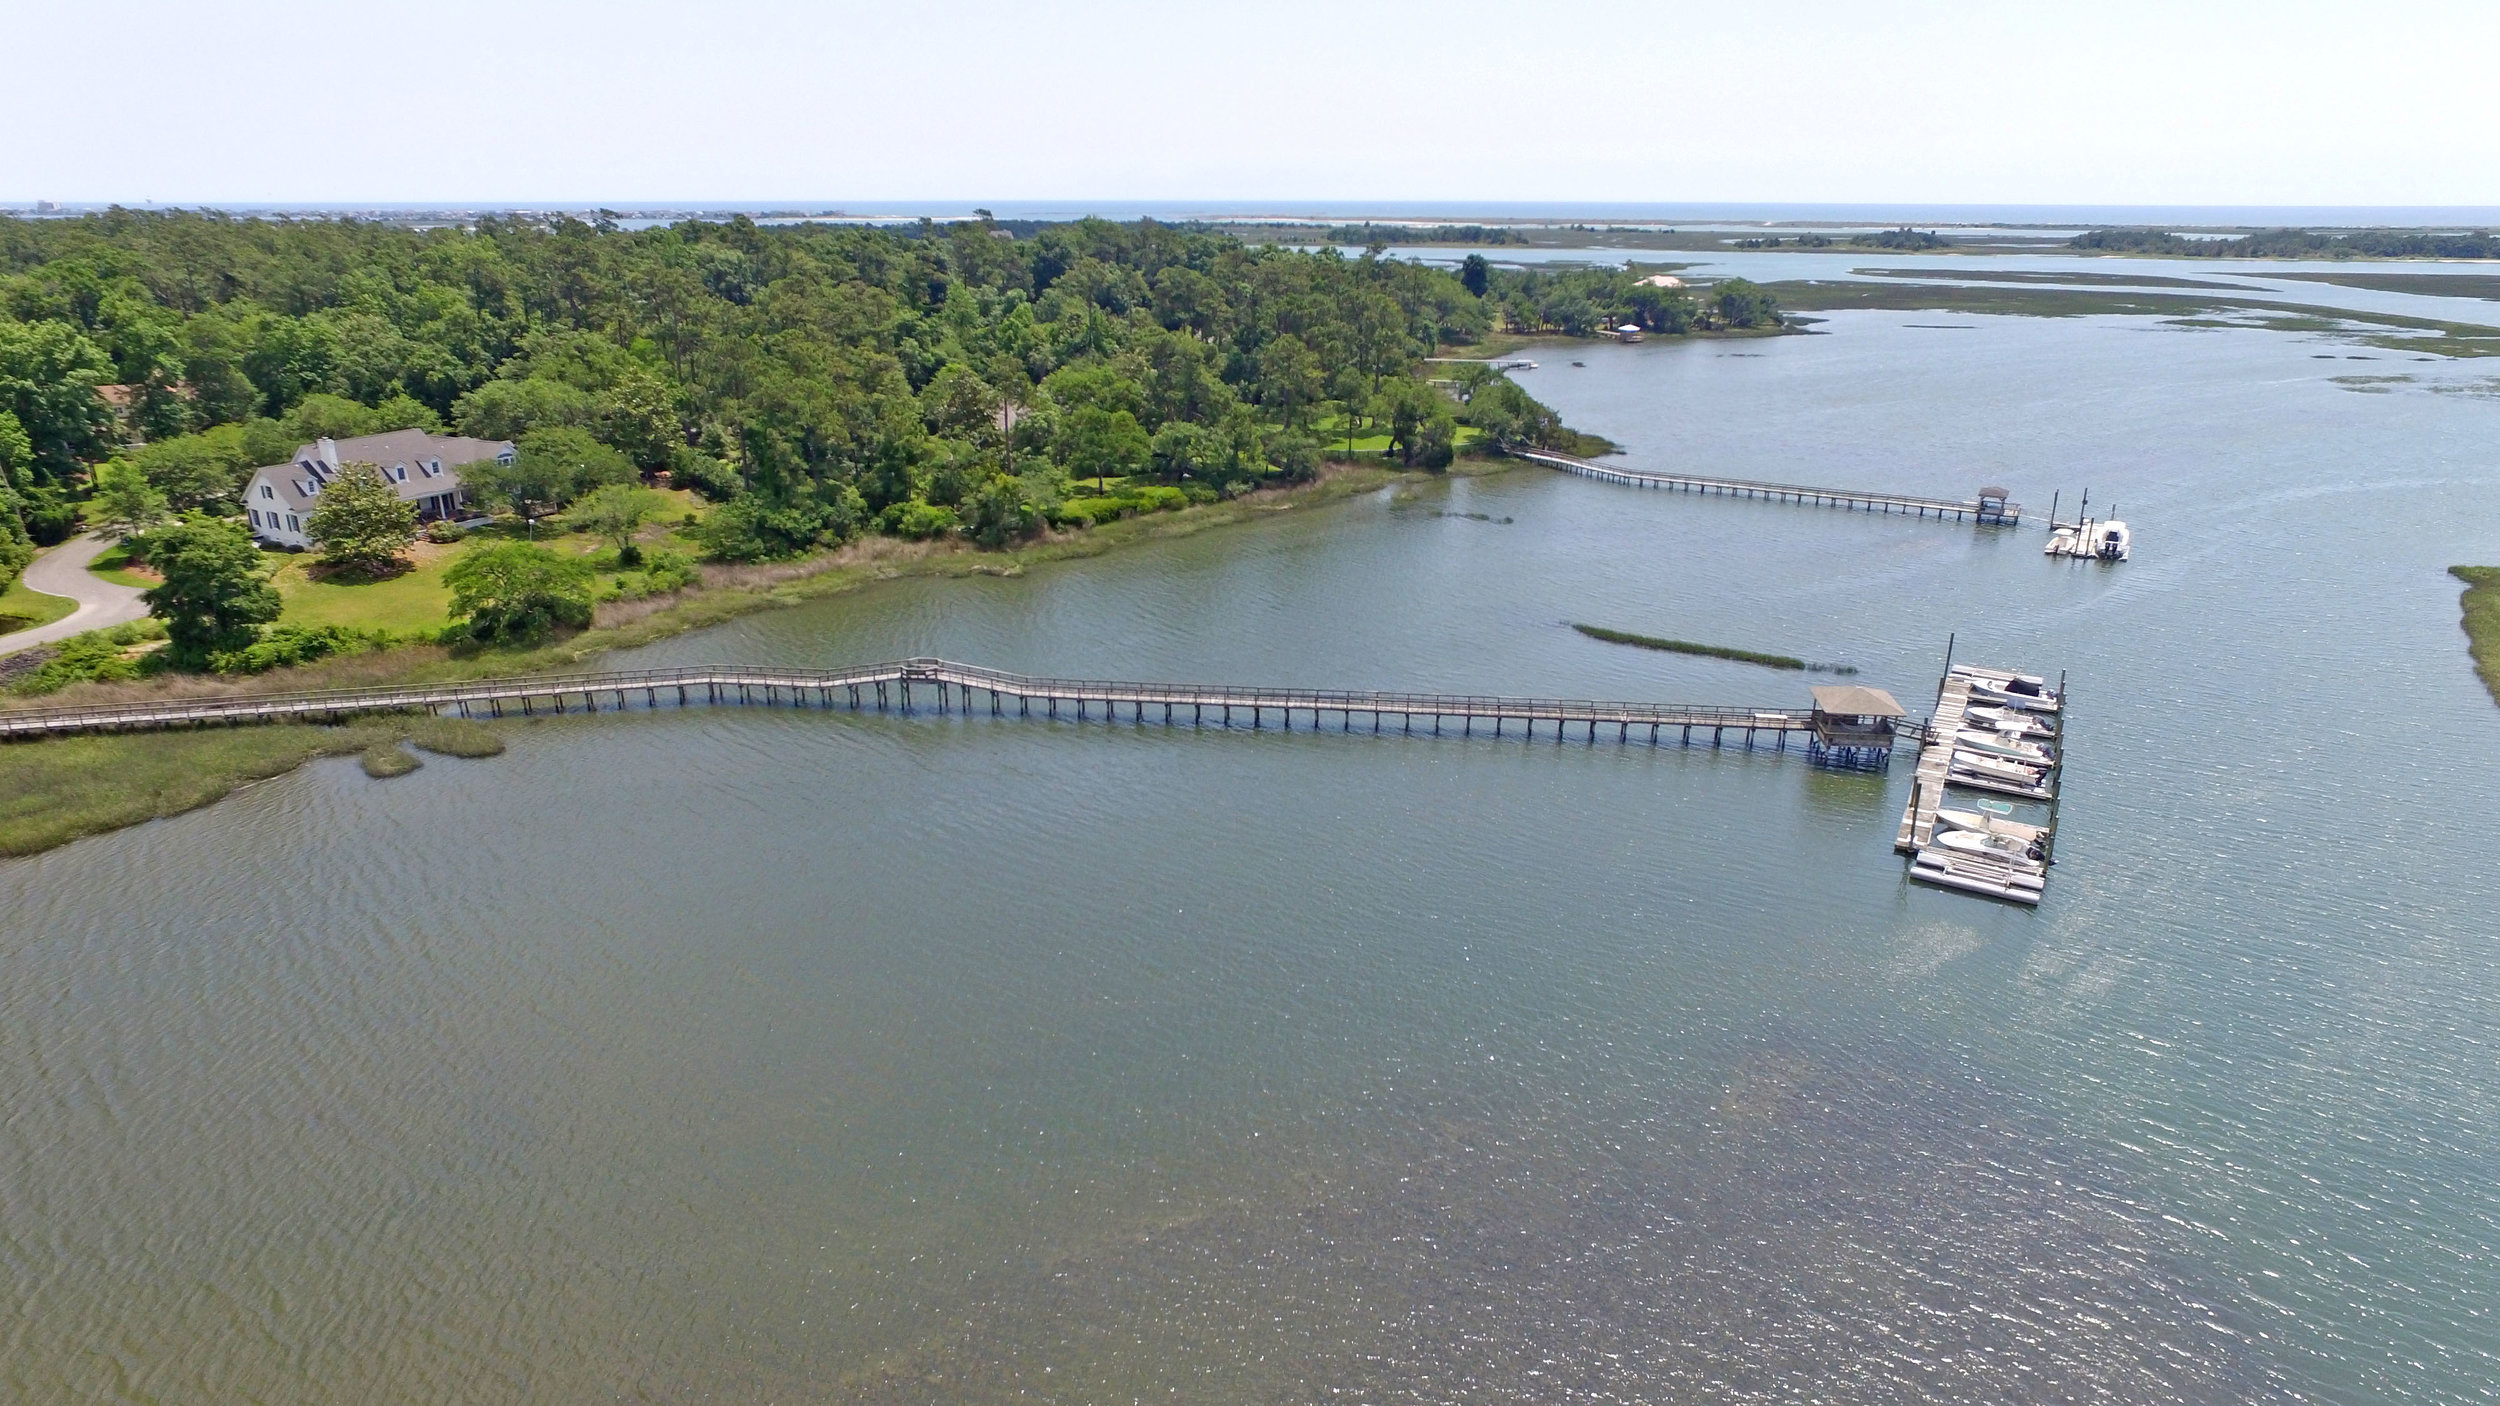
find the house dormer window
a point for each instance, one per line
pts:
(402, 471)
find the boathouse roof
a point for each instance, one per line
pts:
(1856, 701)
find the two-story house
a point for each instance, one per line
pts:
(424, 468)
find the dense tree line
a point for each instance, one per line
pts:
(2294, 244)
(817, 380)
(1367, 233)
(1588, 301)
(1902, 238)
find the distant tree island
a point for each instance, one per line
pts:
(2293, 244)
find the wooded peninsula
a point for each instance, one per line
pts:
(794, 387)
(694, 420)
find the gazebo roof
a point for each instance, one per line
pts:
(1857, 701)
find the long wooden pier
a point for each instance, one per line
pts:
(1983, 510)
(940, 686)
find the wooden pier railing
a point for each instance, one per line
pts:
(937, 684)
(1979, 510)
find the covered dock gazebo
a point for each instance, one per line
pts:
(1853, 727)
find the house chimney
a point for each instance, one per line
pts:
(329, 452)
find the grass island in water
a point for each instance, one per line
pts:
(1708, 651)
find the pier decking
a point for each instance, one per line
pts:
(1984, 510)
(943, 686)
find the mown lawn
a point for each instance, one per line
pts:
(22, 609)
(114, 566)
(414, 600)
(1330, 432)
(417, 599)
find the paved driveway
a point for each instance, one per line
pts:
(62, 571)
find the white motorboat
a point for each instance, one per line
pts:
(2011, 720)
(1998, 768)
(1998, 745)
(1985, 823)
(2019, 853)
(2001, 679)
(2018, 728)
(2110, 541)
(2061, 543)
(2011, 696)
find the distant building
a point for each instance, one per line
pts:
(424, 468)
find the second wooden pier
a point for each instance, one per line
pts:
(1989, 508)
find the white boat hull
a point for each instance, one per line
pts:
(2025, 773)
(1995, 746)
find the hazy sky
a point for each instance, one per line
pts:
(1983, 101)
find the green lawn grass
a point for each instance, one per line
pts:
(1330, 432)
(114, 566)
(416, 600)
(22, 609)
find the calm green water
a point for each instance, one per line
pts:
(772, 1056)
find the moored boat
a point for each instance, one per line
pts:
(2011, 720)
(2015, 854)
(1987, 822)
(1994, 695)
(1998, 768)
(1997, 744)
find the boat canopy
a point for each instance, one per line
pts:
(1856, 701)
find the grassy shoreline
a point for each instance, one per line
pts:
(2479, 607)
(55, 791)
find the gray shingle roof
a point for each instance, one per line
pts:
(411, 449)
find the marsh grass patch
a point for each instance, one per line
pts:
(384, 760)
(454, 737)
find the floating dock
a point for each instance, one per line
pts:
(1944, 765)
(2086, 540)
(1988, 509)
